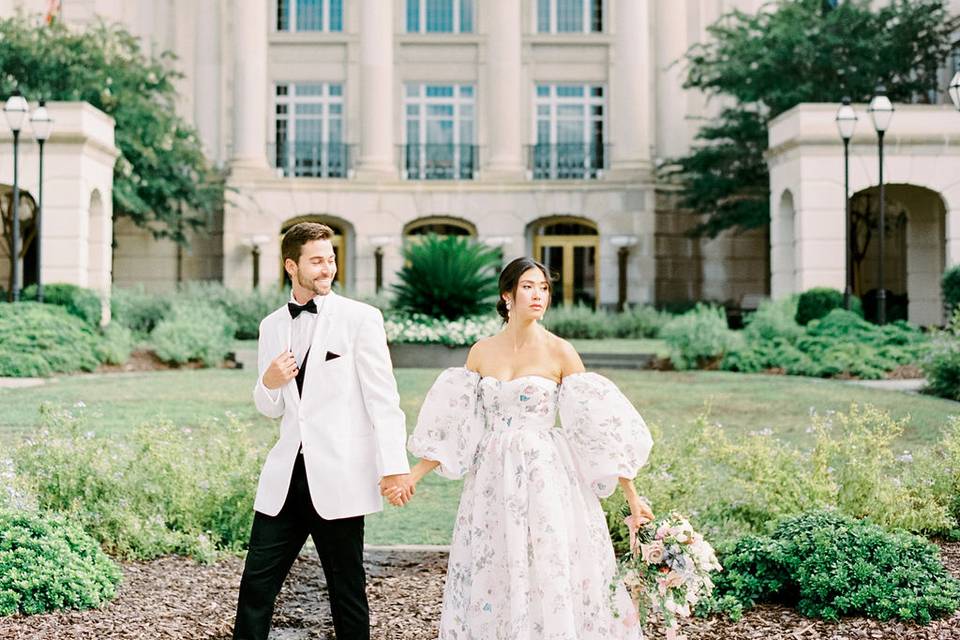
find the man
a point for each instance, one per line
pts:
(324, 368)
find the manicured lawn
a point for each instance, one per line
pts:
(638, 345)
(630, 345)
(117, 402)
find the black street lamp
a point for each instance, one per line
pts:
(881, 111)
(378, 243)
(846, 123)
(42, 125)
(256, 243)
(16, 110)
(954, 90)
(623, 244)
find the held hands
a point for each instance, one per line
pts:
(398, 489)
(282, 370)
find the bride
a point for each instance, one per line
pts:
(531, 555)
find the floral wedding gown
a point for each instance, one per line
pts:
(531, 556)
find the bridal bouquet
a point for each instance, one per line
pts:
(667, 569)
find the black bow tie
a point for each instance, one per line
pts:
(295, 309)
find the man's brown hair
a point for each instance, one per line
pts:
(299, 235)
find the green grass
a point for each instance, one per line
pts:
(633, 345)
(638, 345)
(116, 403)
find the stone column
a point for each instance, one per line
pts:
(249, 84)
(377, 92)
(207, 73)
(672, 100)
(503, 82)
(631, 87)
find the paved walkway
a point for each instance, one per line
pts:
(909, 385)
(20, 383)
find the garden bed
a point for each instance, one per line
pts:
(176, 598)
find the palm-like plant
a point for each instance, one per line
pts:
(447, 277)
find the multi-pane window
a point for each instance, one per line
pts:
(570, 16)
(309, 15)
(439, 16)
(570, 126)
(309, 130)
(439, 131)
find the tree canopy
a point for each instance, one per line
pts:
(162, 180)
(789, 52)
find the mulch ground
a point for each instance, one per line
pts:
(175, 598)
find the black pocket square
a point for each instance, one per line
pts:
(331, 355)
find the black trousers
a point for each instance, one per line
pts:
(275, 542)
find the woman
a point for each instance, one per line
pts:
(531, 555)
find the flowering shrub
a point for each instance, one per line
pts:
(738, 485)
(421, 329)
(161, 490)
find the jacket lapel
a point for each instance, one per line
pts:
(284, 328)
(318, 346)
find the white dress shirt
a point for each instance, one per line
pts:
(301, 335)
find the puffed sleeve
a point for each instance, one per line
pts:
(608, 438)
(450, 423)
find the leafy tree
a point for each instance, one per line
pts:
(162, 180)
(447, 277)
(790, 52)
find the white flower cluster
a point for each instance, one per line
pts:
(421, 329)
(10, 494)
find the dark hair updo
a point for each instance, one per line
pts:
(510, 280)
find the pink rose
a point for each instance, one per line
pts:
(652, 553)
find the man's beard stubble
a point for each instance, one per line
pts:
(311, 285)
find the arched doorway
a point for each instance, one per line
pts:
(914, 251)
(783, 248)
(440, 225)
(97, 251)
(28, 242)
(569, 246)
(342, 231)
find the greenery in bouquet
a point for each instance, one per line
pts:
(667, 569)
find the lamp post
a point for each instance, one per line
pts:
(255, 243)
(42, 125)
(846, 123)
(623, 244)
(881, 111)
(16, 110)
(954, 90)
(379, 242)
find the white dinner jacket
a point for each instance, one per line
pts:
(349, 418)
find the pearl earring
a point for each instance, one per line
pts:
(508, 305)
